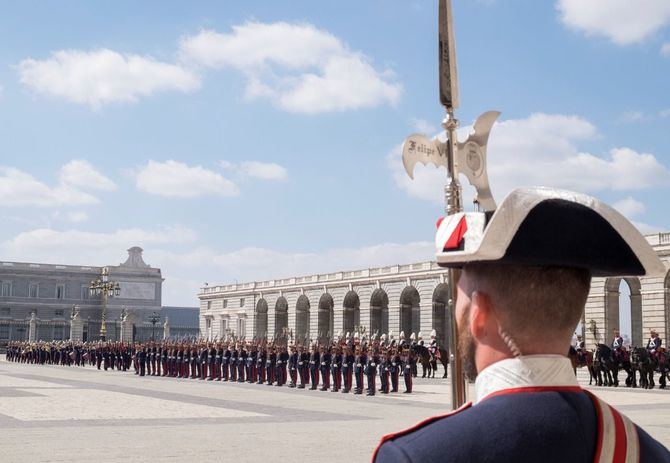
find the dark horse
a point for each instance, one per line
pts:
(603, 365)
(621, 361)
(429, 362)
(584, 360)
(663, 366)
(647, 364)
(644, 363)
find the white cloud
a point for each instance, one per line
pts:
(542, 150)
(18, 188)
(665, 49)
(664, 113)
(630, 207)
(298, 67)
(77, 216)
(179, 180)
(621, 21)
(185, 271)
(258, 170)
(99, 77)
(647, 229)
(632, 116)
(633, 209)
(81, 173)
(423, 126)
(87, 246)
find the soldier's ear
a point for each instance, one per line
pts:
(481, 315)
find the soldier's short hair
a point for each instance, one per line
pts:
(532, 299)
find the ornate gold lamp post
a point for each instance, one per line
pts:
(103, 286)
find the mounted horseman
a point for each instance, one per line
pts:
(657, 357)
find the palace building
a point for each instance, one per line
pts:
(412, 298)
(54, 293)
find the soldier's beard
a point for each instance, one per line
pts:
(467, 346)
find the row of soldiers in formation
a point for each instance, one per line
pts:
(340, 366)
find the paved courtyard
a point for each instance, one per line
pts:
(53, 413)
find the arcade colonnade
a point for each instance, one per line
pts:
(649, 303)
(411, 298)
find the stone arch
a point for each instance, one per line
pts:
(612, 320)
(281, 317)
(261, 319)
(302, 319)
(410, 311)
(441, 314)
(351, 312)
(379, 312)
(326, 318)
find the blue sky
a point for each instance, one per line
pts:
(251, 140)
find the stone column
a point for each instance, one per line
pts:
(166, 329)
(127, 329)
(76, 328)
(32, 331)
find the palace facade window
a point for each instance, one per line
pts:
(33, 289)
(60, 291)
(5, 288)
(241, 327)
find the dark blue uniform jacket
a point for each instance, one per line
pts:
(546, 427)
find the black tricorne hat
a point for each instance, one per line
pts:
(546, 226)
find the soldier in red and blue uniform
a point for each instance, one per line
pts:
(348, 360)
(204, 354)
(371, 371)
(282, 360)
(394, 369)
(360, 360)
(407, 359)
(293, 367)
(225, 363)
(384, 370)
(527, 268)
(142, 358)
(326, 359)
(250, 363)
(336, 368)
(314, 365)
(232, 363)
(218, 361)
(271, 365)
(241, 362)
(260, 364)
(211, 362)
(303, 367)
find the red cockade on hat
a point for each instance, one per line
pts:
(456, 232)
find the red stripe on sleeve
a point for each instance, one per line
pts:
(620, 439)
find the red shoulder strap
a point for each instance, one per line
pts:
(617, 440)
(417, 426)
